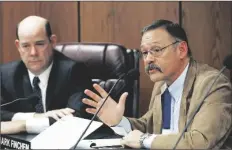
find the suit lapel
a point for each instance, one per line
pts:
(187, 93)
(158, 110)
(52, 80)
(27, 85)
(158, 114)
(56, 79)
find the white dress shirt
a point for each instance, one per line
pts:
(176, 90)
(36, 125)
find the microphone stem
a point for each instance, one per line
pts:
(198, 107)
(18, 99)
(97, 112)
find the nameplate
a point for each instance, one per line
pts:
(8, 142)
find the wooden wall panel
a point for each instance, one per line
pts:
(208, 25)
(1, 53)
(121, 22)
(12, 13)
(62, 16)
(96, 21)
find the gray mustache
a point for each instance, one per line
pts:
(151, 67)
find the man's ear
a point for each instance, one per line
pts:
(53, 40)
(17, 44)
(183, 49)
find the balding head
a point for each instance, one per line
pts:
(35, 43)
(31, 23)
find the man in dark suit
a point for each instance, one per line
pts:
(57, 81)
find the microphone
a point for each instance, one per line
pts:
(227, 63)
(133, 73)
(33, 96)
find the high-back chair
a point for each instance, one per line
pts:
(106, 62)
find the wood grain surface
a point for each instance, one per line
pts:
(121, 22)
(208, 25)
(62, 17)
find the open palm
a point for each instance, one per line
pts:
(111, 113)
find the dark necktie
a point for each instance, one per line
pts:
(39, 105)
(166, 109)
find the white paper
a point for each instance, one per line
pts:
(64, 133)
(119, 130)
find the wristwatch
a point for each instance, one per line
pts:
(142, 138)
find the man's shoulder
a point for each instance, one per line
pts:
(206, 74)
(66, 61)
(61, 58)
(11, 70)
(10, 65)
(207, 71)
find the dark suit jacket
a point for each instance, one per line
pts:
(66, 84)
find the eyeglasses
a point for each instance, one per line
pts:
(156, 52)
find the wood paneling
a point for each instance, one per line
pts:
(96, 21)
(12, 13)
(208, 25)
(62, 16)
(121, 22)
(1, 52)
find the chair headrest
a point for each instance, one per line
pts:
(104, 60)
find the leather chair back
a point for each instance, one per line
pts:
(106, 62)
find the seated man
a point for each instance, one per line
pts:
(180, 84)
(57, 81)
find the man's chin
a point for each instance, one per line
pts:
(156, 77)
(36, 70)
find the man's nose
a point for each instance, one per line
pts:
(149, 58)
(33, 50)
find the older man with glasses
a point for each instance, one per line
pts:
(180, 84)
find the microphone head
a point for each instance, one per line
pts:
(133, 73)
(228, 62)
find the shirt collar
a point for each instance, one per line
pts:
(176, 88)
(43, 76)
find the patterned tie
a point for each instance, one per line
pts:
(39, 106)
(166, 109)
